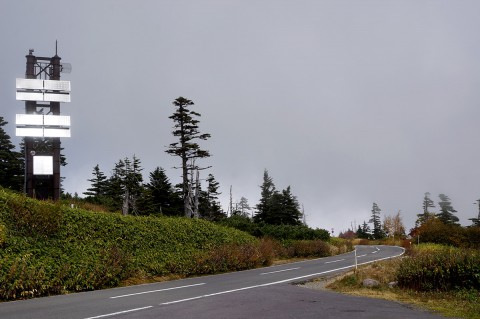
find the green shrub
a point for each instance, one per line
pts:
(52, 249)
(437, 268)
(309, 248)
(279, 232)
(3, 234)
(32, 219)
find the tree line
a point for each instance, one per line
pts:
(440, 227)
(125, 190)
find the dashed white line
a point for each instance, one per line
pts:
(256, 286)
(361, 256)
(119, 312)
(158, 290)
(273, 272)
(334, 261)
(276, 282)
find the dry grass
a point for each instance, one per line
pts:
(458, 304)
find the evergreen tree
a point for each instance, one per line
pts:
(99, 185)
(364, 231)
(377, 224)
(426, 215)
(427, 203)
(447, 212)
(476, 221)
(243, 207)
(132, 185)
(186, 130)
(114, 188)
(267, 191)
(160, 197)
(290, 214)
(11, 162)
(211, 209)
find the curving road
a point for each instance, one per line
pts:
(258, 293)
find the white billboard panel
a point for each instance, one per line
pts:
(56, 85)
(43, 165)
(29, 96)
(56, 97)
(29, 131)
(56, 120)
(56, 132)
(29, 119)
(29, 84)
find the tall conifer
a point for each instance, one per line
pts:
(187, 131)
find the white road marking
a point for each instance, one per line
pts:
(334, 261)
(374, 252)
(361, 256)
(158, 290)
(277, 282)
(273, 272)
(119, 313)
(252, 287)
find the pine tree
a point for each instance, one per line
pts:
(243, 207)
(427, 203)
(447, 212)
(99, 183)
(476, 221)
(267, 191)
(11, 162)
(132, 185)
(114, 188)
(211, 209)
(160, 197)
(426, 215)
(364, 231)
(290, 213)
(377, 224)
(186, 129)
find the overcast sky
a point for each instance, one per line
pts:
(348, 102)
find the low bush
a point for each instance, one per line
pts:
(3, 234)
(48, 249)
(53, 249)
(278, 232)
(29, 218)
(309, 248)
(440, 268)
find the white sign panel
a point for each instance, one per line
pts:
(29, 84)
(29, 119)
(43, 90)
(56, 120)
(56, 85)
(56, 97)
(29, 131)
(43, 165)
(56, 132)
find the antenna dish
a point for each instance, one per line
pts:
(66, 68)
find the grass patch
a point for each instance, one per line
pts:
(458, 303)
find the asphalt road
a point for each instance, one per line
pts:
(258, 293)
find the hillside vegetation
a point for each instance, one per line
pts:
(48, 248)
